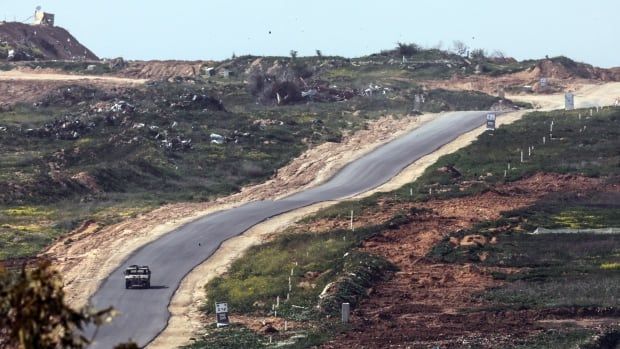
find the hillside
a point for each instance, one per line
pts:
(32, 42)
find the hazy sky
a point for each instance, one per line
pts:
(211, 29)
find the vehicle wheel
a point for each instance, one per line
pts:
(126, 285)
(148, 285)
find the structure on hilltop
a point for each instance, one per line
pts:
(43, 18)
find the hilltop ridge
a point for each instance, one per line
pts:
(40, 42)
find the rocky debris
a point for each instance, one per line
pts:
(87, 181)
(116, 63)
(473, 240)
(122, 107)
(217, 139)
(266, 122)
(65, 129)
(176, 144)
(197, 101)
(454, 173)
(268, 328)
(71, 95)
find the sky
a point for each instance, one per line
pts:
(586, 31)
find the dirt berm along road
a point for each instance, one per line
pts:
(144, 312)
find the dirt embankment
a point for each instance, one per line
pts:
(423, 303)
(158, 70)
(560, 74)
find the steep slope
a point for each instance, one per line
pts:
(40, 42)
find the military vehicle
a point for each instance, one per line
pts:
(137, 276)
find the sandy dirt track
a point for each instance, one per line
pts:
(17, 75)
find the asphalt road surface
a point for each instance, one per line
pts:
(144, 313)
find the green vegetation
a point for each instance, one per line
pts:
(557, 339)
(254, 281)
(34, 315)
(311, 261)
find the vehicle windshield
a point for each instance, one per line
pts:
(136, 272)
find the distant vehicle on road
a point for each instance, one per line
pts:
(137, 276)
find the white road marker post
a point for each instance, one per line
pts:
(551, 127)
(346, 311)
(522, 156)
(529, 151)
(410, 191)
(352, 229)
(504, 173)
(544, 140)
(277, 301)
(285, 325)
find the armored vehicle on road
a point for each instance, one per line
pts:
(137, 276)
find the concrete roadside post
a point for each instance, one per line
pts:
(569, 101)
(346, 312)
(491, 121)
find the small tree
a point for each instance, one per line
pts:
(459, 48)
(319, 53)
(478, 54)
(407, 49)
(293, 54)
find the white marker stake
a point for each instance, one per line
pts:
(285, 326)
(410, 191)
(551, 127)
(352, 220)
(504, 173)
(579, 116)
(544, 140)
(508, 166)
(521, 155)
(529, 151)
(277, 301)
(590, 112)
(430, 191)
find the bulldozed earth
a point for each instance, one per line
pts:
(427, 303)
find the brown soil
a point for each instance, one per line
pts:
(157, 70)
(423, 303)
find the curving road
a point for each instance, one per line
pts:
(144, 313)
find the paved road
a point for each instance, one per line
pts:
(144, 313)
